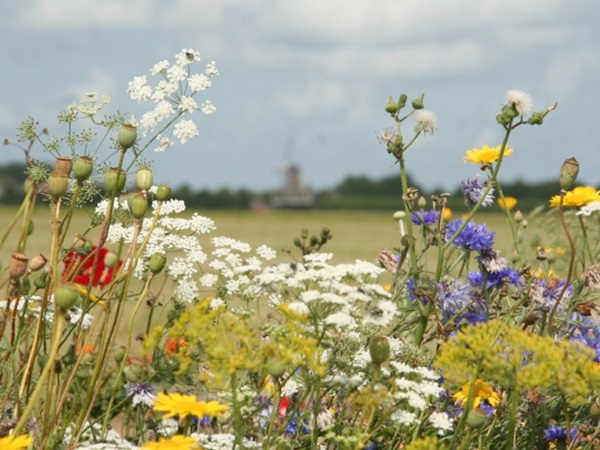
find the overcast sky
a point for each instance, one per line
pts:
(306, 81)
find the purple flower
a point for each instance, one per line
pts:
(473, 190)
(141, 393)
(430, 217)
(472, 237)
(495, 279)
(556, 433)
(545, 292)
(458, 302)
(587, 331)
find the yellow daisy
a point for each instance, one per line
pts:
(507, 203)
(177, 442)
(579, 196)
(483, 391)
(485, 154)
(15, 443)
(186, 405)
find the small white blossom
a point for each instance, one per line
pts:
(521, 100)
(138, 89)
(208, 108)
(441, 421)
(164, 142)
(199, 82)
(426, 122)
(187, 56)
(75, 313)
(341, 320)
(185, 130)
(588, 209)
(211, 69)
(160, 67)
(175, 74)
(188, 104)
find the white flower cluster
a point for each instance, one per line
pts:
(173, 96)
(171, 235)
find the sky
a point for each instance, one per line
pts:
(306, 81)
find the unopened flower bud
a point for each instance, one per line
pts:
(138, 204)
(379, 349)
(82, 168)
(58, 183)
(18, 265)
(391, 106)
(119, 353)
(157, 263)
(399, 215)
(402, 101)
(65, 296)
(524, 224)
(163, 192)
(110, 259)
(79, 241)
(144, 178)
(418, 102)
(568, 173)
(275, 367)
(115, 179)
(476, 418)
(127, 136)
(40, 282)
(518, 216)
(422, 202)
(63, 165)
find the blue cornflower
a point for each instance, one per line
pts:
(545, 292)
(473, 190)
(430, 217)
(495, 279)
(456, 300)
(292, 427)
(472, 237)
(556, 433)
(587, 331)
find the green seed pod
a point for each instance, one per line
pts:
(82, 168)
(110, 259)
(127, 136)
(58, 183)
(138, 204)
(275, 367)
(144, 178)
(163, 192)
(391, 106)
(157, 263)
(40, 282)
(568, 173)
(115, 179)
(476, 418)
(379, 348)
(65, 296)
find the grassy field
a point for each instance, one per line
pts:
(356, 235)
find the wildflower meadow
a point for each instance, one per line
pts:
(439, 342)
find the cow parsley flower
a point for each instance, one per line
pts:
(185, 130)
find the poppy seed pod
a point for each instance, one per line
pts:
(163, 192)
(157, 263)
(18, 265)
(379, 349)
(37, 262)
(58, 183)
(138, 204)
(127, 136)
(115, 179)
(63, 165)
(144, 178)
(65, 296)
(82, 168)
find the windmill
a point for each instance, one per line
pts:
(294, 194)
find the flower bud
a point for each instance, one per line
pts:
(163, 192)
(399, 215)
(115, 179)
(476, 418)
(40, 282)
(119, 353)
(138, 204)
(127, 136)
(568, 173)
(518, 217)
(157, 263)
(379, 349)
(110, 259)
(65, 296)
(63, 165)
(37, 262)
(275, 367)
(144, 178)
(422, 202)
(18, 265)
(524, 224)
(58, 183)
(391, 106)
(82, 168)
(418, 102)
(402, 101)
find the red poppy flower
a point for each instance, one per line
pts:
(79, 266)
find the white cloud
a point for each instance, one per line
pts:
(568, 70)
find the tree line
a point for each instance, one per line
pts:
(353, 192)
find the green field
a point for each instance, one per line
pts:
(356, 235)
